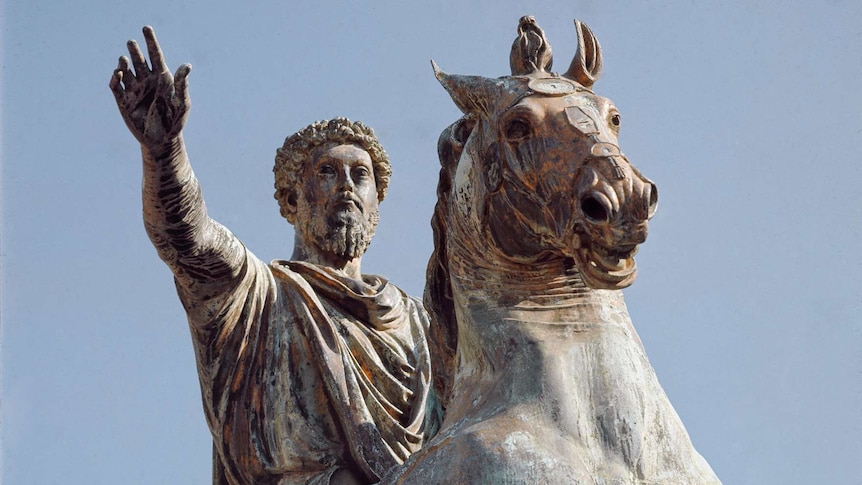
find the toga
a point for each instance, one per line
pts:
(304, 371)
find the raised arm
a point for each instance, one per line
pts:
(202, 254)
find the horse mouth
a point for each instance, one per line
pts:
(605, 268)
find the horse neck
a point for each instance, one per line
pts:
(484, 276)
(518, 322)
(489, 288)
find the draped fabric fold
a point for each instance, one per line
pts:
(304, 371)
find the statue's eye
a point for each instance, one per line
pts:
(517, 130)
(326, 170)
(615, 119)
(361, 172)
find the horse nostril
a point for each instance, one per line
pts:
(653, 200)
(594, 209)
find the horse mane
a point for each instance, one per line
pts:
(443, 334)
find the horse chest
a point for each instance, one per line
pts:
(554, 403)
(562, 376)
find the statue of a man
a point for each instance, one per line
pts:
(310, 372)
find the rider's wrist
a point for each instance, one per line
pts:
(166, 149)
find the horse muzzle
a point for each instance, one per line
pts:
(613, 203)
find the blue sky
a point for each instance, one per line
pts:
(747, 115)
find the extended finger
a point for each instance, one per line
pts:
(114, 83)
(181, 84)
(138, 60)
(156, 58)
(126, 72)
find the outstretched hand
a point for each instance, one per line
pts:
(153, 103)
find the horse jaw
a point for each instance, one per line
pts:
(605, 269)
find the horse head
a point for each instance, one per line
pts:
(539, 168)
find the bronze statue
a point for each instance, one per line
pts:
(543, 377)
(310, 372)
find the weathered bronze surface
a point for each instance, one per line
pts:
(543, 377)
(310, 371)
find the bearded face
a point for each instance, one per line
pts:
(337, 208)
(342, 233)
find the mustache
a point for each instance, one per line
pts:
(347, 198)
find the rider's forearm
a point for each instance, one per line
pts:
(198, 250)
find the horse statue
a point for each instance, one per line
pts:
(541, 374)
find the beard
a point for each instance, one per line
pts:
(345, 234)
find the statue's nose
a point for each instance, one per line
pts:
(620, 203)
(651, 197)
(597, 208)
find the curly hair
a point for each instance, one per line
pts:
(297, 148)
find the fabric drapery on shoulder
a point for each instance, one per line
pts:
(304, 371)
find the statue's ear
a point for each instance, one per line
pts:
(474, 94)
(288, 204)
(586, 66)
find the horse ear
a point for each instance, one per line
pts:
(587, 63)
(472, 94)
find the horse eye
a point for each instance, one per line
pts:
(517, 130)
(615, 119)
